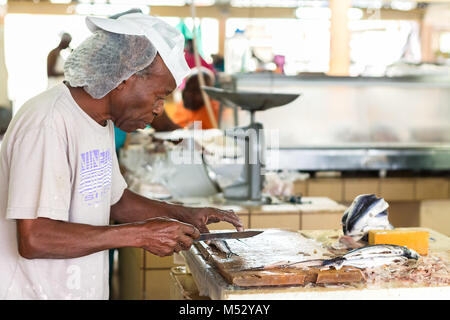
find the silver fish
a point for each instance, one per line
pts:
(365, 257)
(373, 256)
(367, 212)
(223, 247)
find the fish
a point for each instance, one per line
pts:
(367, 212)
(361, 258)
(223, 247)
(373, 256)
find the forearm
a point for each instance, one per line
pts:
(133, 208)
(51, 239)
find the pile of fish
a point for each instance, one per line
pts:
(367, 212)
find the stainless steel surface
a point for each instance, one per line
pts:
(250, 183)
(362, 158)
(227, 235)
(348, 123)
(250, 101)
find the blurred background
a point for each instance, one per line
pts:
(286, 45)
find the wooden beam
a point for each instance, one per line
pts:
(339, 38)
(389, 14)
(426, 43)
(40, 7)
(217, 12)
(220, 12)
(222, 36)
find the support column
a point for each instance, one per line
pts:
(4, 101)
(339, 38)
(222, 35)
(426, 39)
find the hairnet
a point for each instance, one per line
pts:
(168, 41)
(101, 62)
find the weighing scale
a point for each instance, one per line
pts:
(247, 188)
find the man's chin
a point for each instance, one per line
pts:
(127, 129)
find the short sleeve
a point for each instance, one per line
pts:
(118, 184)
(40, 177)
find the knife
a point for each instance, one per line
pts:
(227, 235)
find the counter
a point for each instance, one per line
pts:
(211, 284)
(143, 275)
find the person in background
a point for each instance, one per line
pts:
(55, 62)
(218, 62)
(5, 119)
(192, 107)
(190, 56)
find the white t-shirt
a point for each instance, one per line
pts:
(56, 162)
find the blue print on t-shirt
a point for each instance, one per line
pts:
(95, 175)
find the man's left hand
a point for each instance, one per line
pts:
(200, 217)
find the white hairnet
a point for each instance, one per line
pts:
(169, 42)
(101, 62)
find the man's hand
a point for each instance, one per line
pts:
(164, 236)
(200, 217)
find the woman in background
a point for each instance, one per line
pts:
(192, 107)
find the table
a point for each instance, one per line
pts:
(210, 283)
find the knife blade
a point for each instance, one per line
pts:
(227, 235)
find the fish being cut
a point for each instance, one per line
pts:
(367, 212)
(223, 247)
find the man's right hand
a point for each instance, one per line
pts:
(164, 236)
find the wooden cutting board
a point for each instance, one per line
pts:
(271, 247)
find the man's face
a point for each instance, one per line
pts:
(138, 100)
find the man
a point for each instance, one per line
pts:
(55, 62)
(59, 176)
(192, 108)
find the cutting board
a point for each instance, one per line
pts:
(269, 248)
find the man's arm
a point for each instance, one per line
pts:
(44, 238)
(133, 207)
